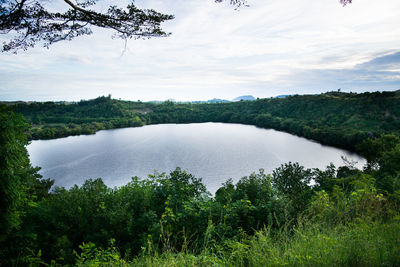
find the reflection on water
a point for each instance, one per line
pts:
(212, 151)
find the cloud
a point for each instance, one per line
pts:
(386, 63)
(272, 47)
(379, 73)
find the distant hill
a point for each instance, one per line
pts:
(217, 100)
(214, 100)
(281, 96)
(245, 98)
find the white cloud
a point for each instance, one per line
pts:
(215, 51)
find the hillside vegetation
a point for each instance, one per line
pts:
(339, 119)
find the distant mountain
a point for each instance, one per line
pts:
(217, 100)
(281, 96)
(245, 98)
(214, 100)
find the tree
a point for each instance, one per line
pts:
(14, 164)
(34, 22)
(13, 161)
(20, 184)
(383, 156)
(31, 21)
(293, 180)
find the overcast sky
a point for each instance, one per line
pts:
(271, 48)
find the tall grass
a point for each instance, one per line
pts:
(362, 243)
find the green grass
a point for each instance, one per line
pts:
(363, 243)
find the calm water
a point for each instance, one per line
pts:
(212, 151)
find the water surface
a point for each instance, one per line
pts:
(212, 151)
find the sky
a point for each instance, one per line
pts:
(215, 51)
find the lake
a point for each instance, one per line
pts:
(212, 151)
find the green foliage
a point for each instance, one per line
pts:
(159, 207)
(171, 219)
(296, 216)
(374, 149)
(14, 164)
(383, 155)
(20, 183)
(362, 244)
(293, 181)
(248, 206)
(313, 245)
(20, 188)
(337, 207)
(93, 256)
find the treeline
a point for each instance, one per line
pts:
(51, 120)
(339, 119)
(345, 217)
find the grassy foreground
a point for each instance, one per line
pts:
(363, 243)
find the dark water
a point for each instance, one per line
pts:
(213, 151)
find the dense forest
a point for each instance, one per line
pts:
(334, 118)
(293, 216)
